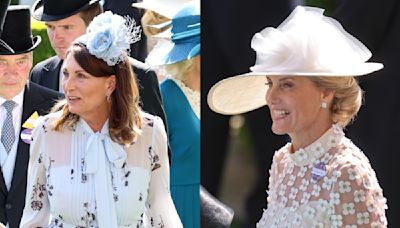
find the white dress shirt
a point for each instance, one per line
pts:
(7, 160)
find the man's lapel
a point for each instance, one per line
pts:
(3, 187)
(52, 78)
(31, 100)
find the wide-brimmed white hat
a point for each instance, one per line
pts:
(307, 43)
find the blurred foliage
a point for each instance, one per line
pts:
(328, 5)
(44, 50)
(14, 2)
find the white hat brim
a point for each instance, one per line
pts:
(246, 92)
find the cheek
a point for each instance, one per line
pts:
(24, 73)
(94, 95)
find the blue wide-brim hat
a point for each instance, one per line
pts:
(180, 42)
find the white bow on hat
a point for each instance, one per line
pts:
(307, 43)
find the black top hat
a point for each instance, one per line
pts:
(3, 13)
(54, 10)
(17, 31)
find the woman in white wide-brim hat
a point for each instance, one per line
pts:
(305, 73)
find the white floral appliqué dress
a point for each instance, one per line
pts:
(330, 183)
(78, 178)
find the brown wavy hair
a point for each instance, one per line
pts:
(125, 118)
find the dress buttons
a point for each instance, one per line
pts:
(8, 206)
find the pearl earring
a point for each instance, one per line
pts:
(324, 104)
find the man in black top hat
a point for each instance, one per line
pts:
(3, 11)
(66, 21)
(18, 101)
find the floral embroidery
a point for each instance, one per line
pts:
(297, 219)
(83, 171)
(317, 149)
(333, 201)
(317, 224)
(336, 220)
(304, 184)
(293, 193)
(301, 155)
(302, 171)
(334, 198)
(359, 196)
(49, 180)
(154, 159)
(306, 197)
(291, 180)
(350, 226)
(316, 190)
(348, 209)
(322, 205)
(362, 218)
(37, 194)
(352, 174)
(295, 205)
(89, 216)
(344, 186)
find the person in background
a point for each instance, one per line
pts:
(305, 72)
(19, 100)
(113, 156)
(139, 49)
(179, 54)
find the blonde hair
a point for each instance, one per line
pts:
(347, 100)
(179, 69)
(125, 118)
(152, 18)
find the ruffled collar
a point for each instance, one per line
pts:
(309, 154)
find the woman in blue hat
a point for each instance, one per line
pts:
(178, 51)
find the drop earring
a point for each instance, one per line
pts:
(108, 98)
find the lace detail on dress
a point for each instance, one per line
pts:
(192, 96)
(330, 183)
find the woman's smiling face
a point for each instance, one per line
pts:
(295, 104)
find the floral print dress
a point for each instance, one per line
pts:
(330, 183)
(78, 178)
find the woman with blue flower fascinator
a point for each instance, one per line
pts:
(98, 160)
(305, 72)
(178, 53)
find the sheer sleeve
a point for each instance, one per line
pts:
(37, 209)
(160, 211)
(273, 175)
(357, 198)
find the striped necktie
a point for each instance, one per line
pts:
(8, 132)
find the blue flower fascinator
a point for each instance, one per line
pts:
(108, 37)
(183, 38)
